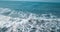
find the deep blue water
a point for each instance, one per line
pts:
(34, 7)
(20, 16)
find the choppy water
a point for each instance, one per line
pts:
(29, 17)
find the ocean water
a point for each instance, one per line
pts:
(20, 16)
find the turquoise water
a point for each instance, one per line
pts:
(20, 16)
(34, 7)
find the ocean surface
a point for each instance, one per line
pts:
(24, 16)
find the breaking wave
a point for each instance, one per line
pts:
(19, 21)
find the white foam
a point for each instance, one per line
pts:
(31, 23)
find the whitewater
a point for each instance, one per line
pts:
(19, 21)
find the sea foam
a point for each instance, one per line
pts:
(19, 21)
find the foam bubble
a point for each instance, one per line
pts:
(27, 22)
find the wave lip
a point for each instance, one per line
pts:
(27, 22)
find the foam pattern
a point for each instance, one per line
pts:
(19, 21)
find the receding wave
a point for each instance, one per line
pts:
(19, 21)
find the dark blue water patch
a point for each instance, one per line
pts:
(4, 29)
(58, 30)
